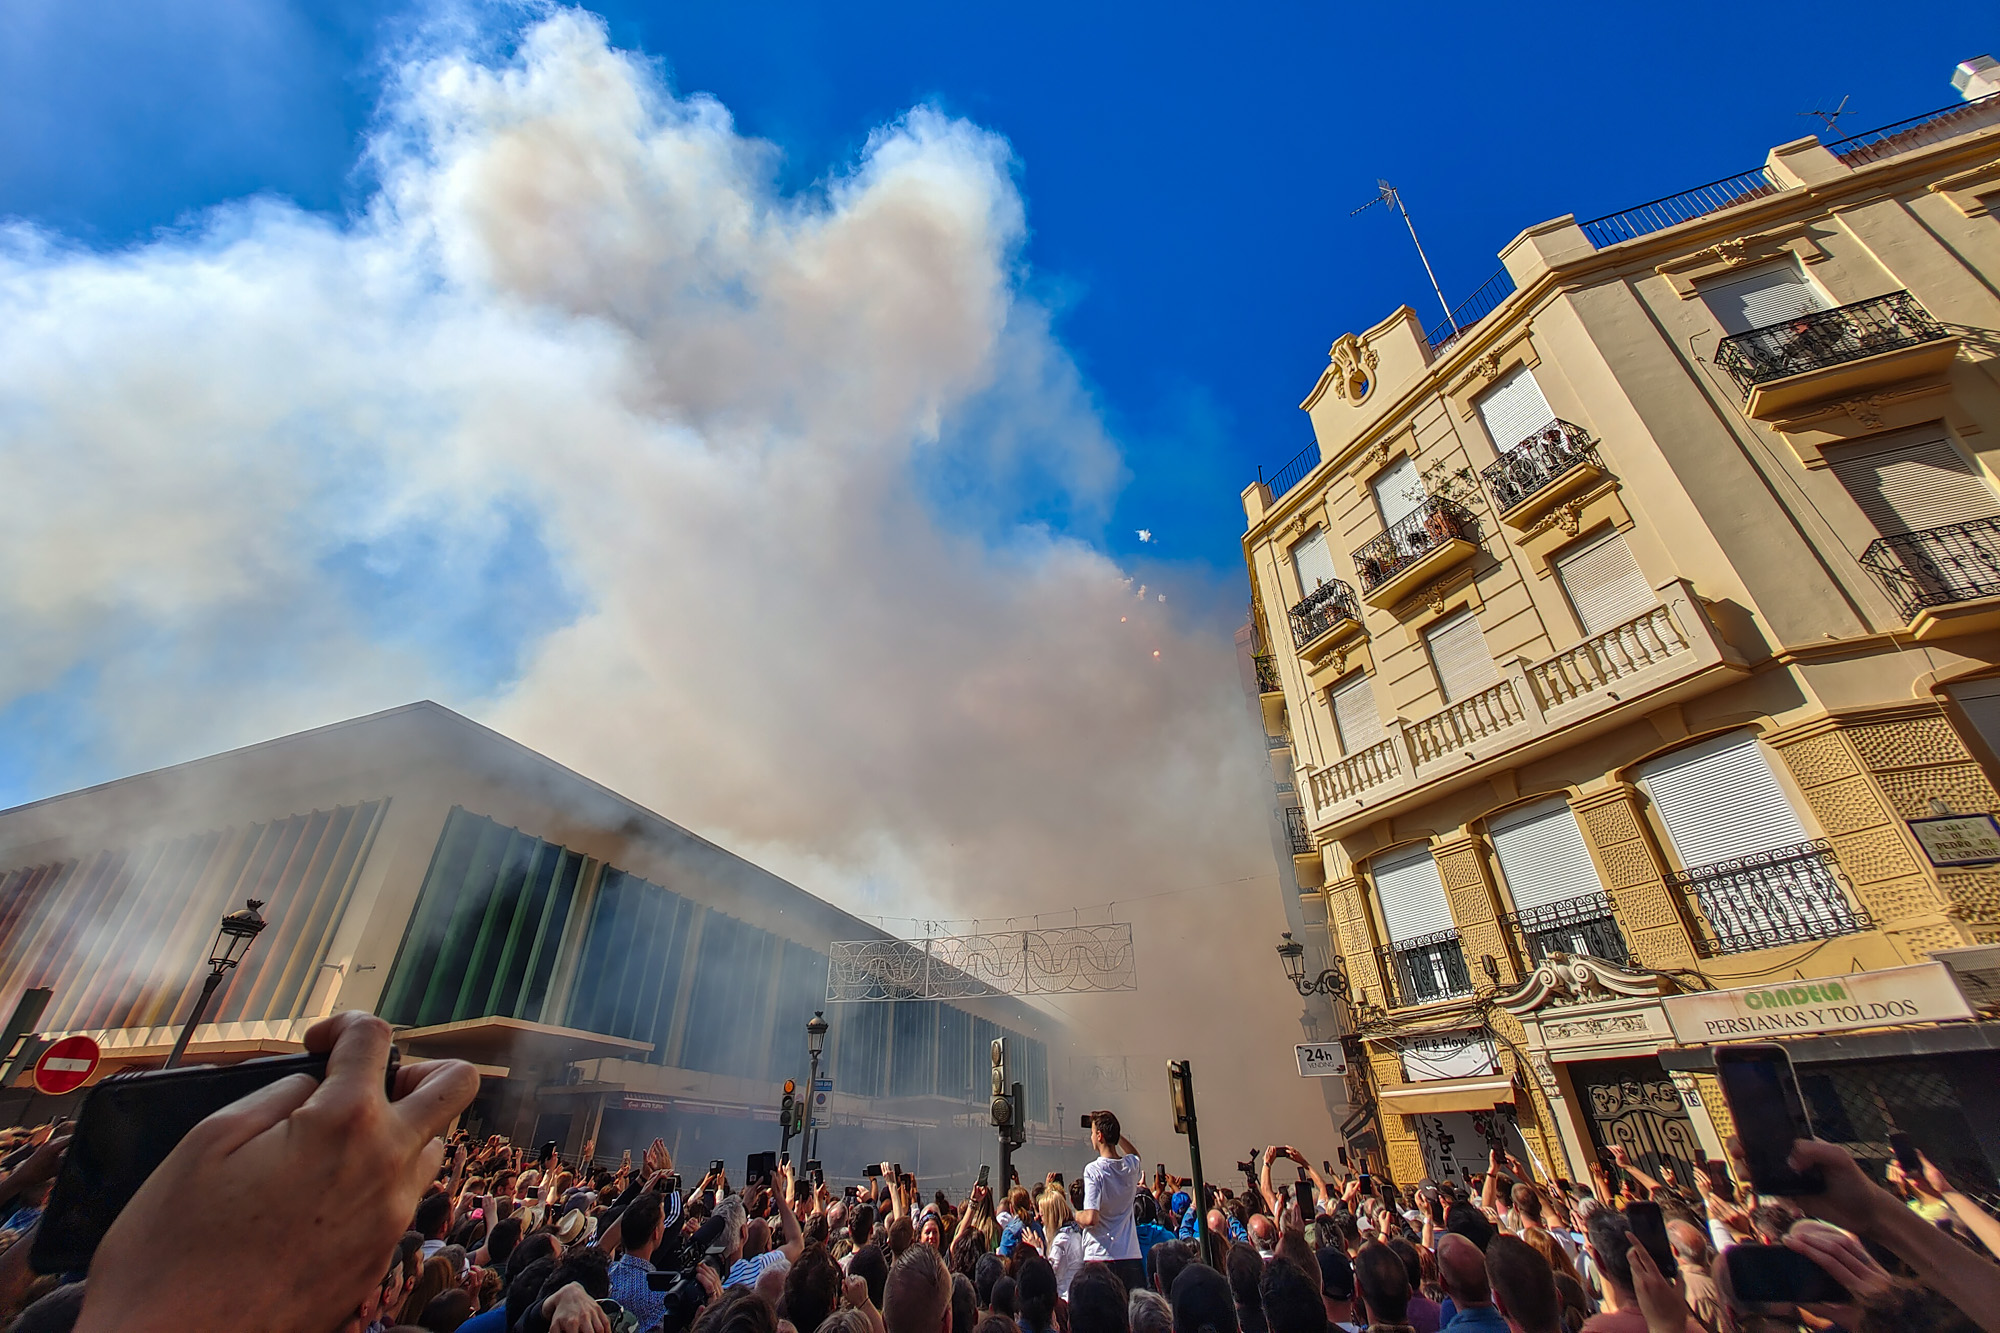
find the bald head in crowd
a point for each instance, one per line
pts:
(917, 1297)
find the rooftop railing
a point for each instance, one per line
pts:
(1785, 896)
(1827, 338)
(1292, 472)
(1470, 311)
(1408, 539)
(1918, 131)
(1320, 610)
(1536, 461)
(1937, 566)
(1678, 208)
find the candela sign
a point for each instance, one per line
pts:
(1925, 993)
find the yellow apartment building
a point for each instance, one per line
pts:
(1632, 643)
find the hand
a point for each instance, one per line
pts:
(1851, 1199)
(1840, 1254)
(711, 1282)
(41, 1164)
(246, 1169)
(589, 1151)
(574, 1310)
(1620, 1155)
(1665, 1308)
(854, 1290)
(1934, 1177)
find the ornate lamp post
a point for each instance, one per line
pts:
(1059, 1118)
(232, 942)
(1333, 981)
(815, 1043)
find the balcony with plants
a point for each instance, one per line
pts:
(1324, 617)
(1541, 471)
(1413, 550)
(1833, 354)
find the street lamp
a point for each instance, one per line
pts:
(232, 942)
(1333, 981)
(1058, 1120)
(815, 1043)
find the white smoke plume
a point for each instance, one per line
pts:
(709, 492)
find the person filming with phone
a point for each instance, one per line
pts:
(1111, 1183)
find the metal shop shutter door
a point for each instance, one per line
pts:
(1768, 296)
(1604, 583)
(1541, 853)
(1514, 409)
(1311, 562)
(1399, 491)
(1719, 799)
(1412, 895)
(1910, 485)
(1355, 715)
(1458, 651)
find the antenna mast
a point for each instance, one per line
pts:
(1830, 117)
(1387, 194)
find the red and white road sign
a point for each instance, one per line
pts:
(65, 1065)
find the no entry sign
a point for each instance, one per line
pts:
(65, 1065)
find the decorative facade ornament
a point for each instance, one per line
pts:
(1379, 454)
(1863, 411)
(1434, 597)
(1731, 252)
(1610, 1025)
(1488, 366)
(1570, 517)
(1564, 978)
(1354, 364)
(1545, 1074)
(1339, 656)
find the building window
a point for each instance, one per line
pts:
(1746, 858)
(1355, 718)
(1762, 297)
(1559, 903)
(1603, 583)
(1423, 960)
(1311, 561)
(1399, 491)
(1458, 654)
(1913, 482)
(1514, 409)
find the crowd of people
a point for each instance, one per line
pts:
(322, 1205)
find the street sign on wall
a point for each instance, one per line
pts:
(65, 1065)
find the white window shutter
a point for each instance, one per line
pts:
(1604, 583)
(1399, 491)
(1411, 894)
(1719, 799)
(1354, 713)
(1514, 409)
(1767, 296)
(1981, 701)
(1311, 560)
(1542, 856)
(1909, 485)
(1458, 652)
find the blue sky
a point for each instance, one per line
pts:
(1189, 170)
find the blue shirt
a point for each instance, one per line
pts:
(1151, 1234)
(629, 1289)
(493, 1321)
(1188, 1232)
(1477, 1319)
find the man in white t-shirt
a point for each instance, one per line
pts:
(1110, 1184)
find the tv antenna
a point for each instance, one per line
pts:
(1830, 117)
(1388, 195)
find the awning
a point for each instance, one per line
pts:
(1479, 1093)
(515, 1042)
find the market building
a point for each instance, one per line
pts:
(614, 976)
(1631, 641)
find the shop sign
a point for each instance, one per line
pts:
(1958, 840)
(635, 1102)
(1321, 1059)
(1925, 993)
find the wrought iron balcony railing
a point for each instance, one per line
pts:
(1827, 338)
(1291, 472)
(1787, 896)
(1519, 473)
(1267, 674)
(1320, 610)
(1430, 967)
(1470, 311)
(1583, 924)
(1436, 521)
(1937, 566)
(1276, 742)
(1678, 208)
(1297, 830)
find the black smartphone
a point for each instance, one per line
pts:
(1763, 1097)
(1367, 1183)
(1906, 1154)
(715, 1165)
(1343, 1155)
(897, 1167)
(814, 1172)
(984, 1171)
(1305, 1192)
(1775, 1275)
(874, 1169)
(126, 1128)
(785, 1157)
(1649, 1228)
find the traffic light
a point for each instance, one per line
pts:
(787, 1107)
(1003, 1107)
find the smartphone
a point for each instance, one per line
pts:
(1649, 1228)
(813, 1171)
(128, 1125)
(1906, 1154)
(760, 1168)
(1305, 1193)
(1343, 1155)
(1763, 1097)
(715, 1165)
(874, 1170)
(984, 1171)
(1775, 1275)
(897, 1167)
(1060, 1183)
(1367, 1183)
(785, 1157)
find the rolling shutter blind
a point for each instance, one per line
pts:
(1311, 561)
(1604, 583)
(1910, 486)
(1768, 296)
(1458, 651)
(1514, 409)
(1541, 853)
(1981, 701)
(1719, 799)
(1412, 895)
(1399, 491)
(1354, 714)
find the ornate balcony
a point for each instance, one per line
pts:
(1848, 350)
(1669, 652)
(1945, 581)
(1267, 674)
(1786, 896)
(1297, 829)
(1425, 969)
(1323, 617)
(1414, 549)
(1580, 925)
(1554, 462)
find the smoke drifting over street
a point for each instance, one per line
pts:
(714, 494)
